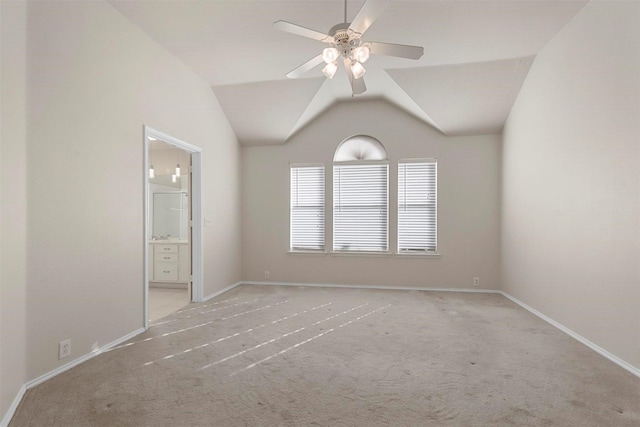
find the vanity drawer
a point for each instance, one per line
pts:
(166, 249)
(166, 257)
(164, 271)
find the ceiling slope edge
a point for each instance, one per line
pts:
(381, 87)
(469, 98)
(263, 113)
(396, 95)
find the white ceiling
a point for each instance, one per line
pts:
(476, 56)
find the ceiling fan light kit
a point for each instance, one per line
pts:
(330, 69)
(345, 41)
(349, 48)
(361, 53)
(357, 69)
(330, 54)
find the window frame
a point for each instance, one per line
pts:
(356, 252)
(413, 252)
(323, 208)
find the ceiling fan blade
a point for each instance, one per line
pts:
(399, 50)
(302, 31)
(312, 63)
(357, 85)
(368, 13)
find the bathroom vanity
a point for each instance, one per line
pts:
(169, 248)
(169, 263)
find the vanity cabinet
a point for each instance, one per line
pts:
(171, 263)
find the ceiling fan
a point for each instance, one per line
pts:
(345, 43)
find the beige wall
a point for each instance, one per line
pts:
(570, 235)
(571, 226)
(93, 80)
(13, 206)
(468, 203)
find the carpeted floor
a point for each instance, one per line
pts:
(288, 356)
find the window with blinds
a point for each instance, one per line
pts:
(360, 207)
(417, 203)
(307, 208)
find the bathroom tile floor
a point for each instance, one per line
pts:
(164, 301)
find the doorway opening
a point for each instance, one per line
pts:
(173, 235)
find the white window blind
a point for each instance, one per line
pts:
(360, 207)
(417, 202)
(307, 208)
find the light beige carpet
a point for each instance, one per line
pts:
(288, 356)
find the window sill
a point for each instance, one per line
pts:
(369, 254)
(419, 254)
(361, 253)
(321, 253)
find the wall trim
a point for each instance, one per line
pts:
(30, 384)
(195, 195)
(221, 291)
(81, 359)
(12, 409)
(386, 288)
(604, 353)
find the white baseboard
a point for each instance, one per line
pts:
(12, 409)
(635, 371)
(386, 288)
(160, 285)
(81, 359)
(221, 291)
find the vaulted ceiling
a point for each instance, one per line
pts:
(476, 56)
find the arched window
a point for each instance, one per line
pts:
(360, 148)
(360, 196)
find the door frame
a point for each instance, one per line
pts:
(196, 215)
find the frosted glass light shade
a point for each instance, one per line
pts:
(330, 54)
(177, 170)
(152, 172)
(357, 69)
(361, 53)
(330, 69)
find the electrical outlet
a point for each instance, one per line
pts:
(208, 222)
(64, 349)
(266, 274)
(476, 281)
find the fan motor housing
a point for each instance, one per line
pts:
(343, 39)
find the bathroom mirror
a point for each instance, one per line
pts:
(168, 191)
(170, 215)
